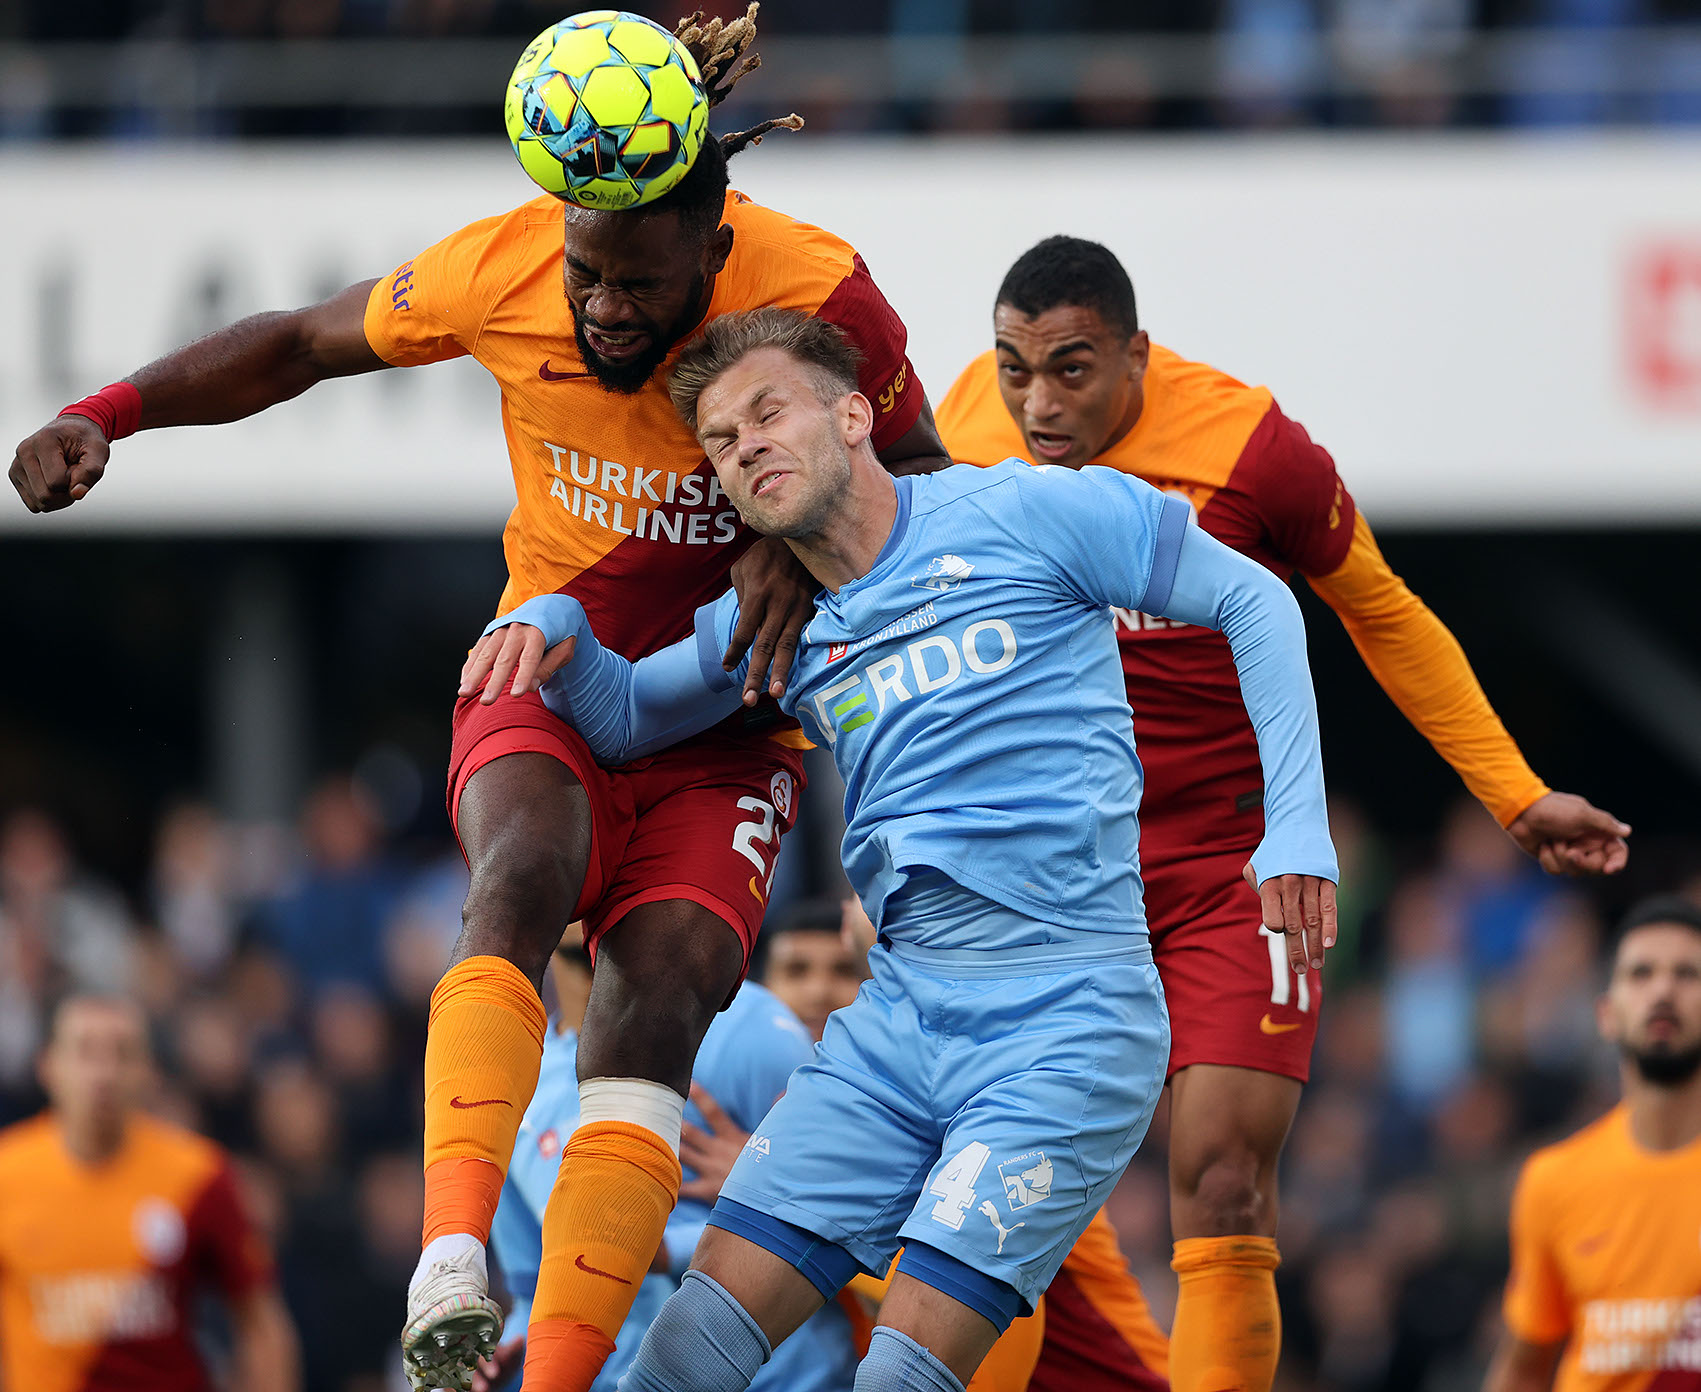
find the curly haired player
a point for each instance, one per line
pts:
(573, 311)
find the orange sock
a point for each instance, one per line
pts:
(483, 1046)
(1228, 1327)
(617, 1185)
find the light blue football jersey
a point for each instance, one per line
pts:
(970, 691)
(747, 1055)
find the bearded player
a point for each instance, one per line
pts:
(1071, 380)
(1605, 1284)
(572, 311)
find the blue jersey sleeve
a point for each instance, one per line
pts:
(1216, 587)
(625, 709)
(1109, 537)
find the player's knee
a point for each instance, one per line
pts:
(1228, 1189)
(520, 897)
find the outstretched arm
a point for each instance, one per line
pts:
(624, 710)
(1425, 673)
(235, 372)
(1216, 587)
(1112, 539)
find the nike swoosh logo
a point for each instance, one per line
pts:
(758, 893)
(459, 1105)
(583, 1265)
(549, 376)
(1269, 1026)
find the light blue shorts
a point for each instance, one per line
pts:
(985, 1111)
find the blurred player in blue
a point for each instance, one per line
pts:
(994, 1076)
(747, 1056)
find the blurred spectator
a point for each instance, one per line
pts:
(1428, 1003)
(326, 928)
(192, 893)
(60, 930)
(1269, 56)
(1496, 892)
(1400, 51)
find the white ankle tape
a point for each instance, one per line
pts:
(636, 1101)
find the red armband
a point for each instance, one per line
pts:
(117, 410)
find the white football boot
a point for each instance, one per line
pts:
(452, 1321)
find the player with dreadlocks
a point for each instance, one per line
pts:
(667, 862)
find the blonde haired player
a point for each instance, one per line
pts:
(1606, 1226)
(574, 312)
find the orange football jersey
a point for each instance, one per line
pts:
(615, 503)
(100, 1265)
(1606, 1255)
(1256, 482)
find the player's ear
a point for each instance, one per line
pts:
(1139, 354)
(856, 419)
(716, 250)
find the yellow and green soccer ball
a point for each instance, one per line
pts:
(606, 109)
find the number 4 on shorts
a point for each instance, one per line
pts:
(955, 1185)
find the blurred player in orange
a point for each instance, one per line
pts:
(114, 1226)
(668, 860)
(1071, 380)
(1606, 1226)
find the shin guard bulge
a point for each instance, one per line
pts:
(483, 1046)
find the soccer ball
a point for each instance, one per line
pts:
(606, 109)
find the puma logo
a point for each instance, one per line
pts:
(1003, 1232)
(583, 1265)
(461, 1106)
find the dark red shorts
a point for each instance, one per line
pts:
(701, 821)
(1232, 997)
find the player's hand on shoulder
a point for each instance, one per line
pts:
(1569, 835)
(529, 644)
(776, 597)
(1301, 907)
(57, 465)
(710, 1153)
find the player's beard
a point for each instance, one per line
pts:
(1664, 1065)
(630, 377)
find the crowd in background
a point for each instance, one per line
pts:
(1206, 64)
(286, 975)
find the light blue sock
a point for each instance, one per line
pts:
(702, 1341)
(896, 1363)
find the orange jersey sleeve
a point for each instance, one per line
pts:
(1424, 671)
(434, 306)
(1535, 1306)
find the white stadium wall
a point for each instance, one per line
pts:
(1485, 332)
